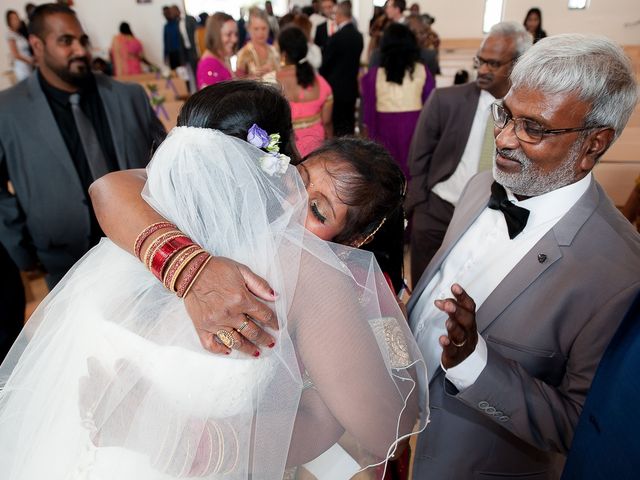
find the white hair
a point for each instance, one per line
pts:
(516, 31)
(593, 67)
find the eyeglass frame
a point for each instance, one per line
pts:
(493, 65)
(497, 106)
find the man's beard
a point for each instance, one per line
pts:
(77, 78)
(530, 181)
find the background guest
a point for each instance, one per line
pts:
(88, 125)
(274, 25)
(393, 94)
(340, 66)
(533, 24)
(314, 54)
(200, 33)
(220, 40)
(22, 62)
(328, 27)
(127, 52)
(308, 93)
(394, 10)
(257, 57)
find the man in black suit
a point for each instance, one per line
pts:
(327, 28)
(62, 128)
(340, 64)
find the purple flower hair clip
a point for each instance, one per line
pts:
(258, 137)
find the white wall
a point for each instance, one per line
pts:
(100, 20)
(463, 18)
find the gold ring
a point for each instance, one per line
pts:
(459, 345)
(243, 326)
(226, 338)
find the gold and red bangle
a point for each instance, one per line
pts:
(165, 251)
(183, 265)
(191, 272)
(157, 243)
(176, 262)
(195, 277)
(154, 227)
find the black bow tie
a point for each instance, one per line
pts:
(516, 217)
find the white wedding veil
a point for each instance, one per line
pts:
(111, 355)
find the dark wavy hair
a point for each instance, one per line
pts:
(399, 52)
(373, 188)
(234, 106)
(293, 43)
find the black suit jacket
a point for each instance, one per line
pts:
(341, 62)
(48, 218)
(322, 35)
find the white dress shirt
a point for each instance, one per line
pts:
(480, 260)
(451, 189)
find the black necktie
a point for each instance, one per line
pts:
(516, 217)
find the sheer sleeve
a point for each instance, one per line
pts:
(352, 339)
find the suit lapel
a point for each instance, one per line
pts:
(535, 262)
(112, 109)
(39, 118)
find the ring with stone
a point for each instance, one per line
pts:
(226, 338)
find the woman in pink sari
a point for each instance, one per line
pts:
(126, 52)
(221, 37)
(308, 93)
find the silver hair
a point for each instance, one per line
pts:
(593, 67)
(516, 31)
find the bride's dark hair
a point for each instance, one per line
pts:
(234, 106)
(373, 187)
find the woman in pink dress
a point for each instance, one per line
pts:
(221, 37)
(126, 52)
(308, 93)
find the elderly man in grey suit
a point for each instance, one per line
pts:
(62, 128)
(453, 140)
(541, 265)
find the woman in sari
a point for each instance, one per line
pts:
(127, 52)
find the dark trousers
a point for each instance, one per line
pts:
(429, 223)
(344, 116)
(12, 302)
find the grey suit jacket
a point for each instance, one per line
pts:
(439, 139)
(546, 326)
(48, 218)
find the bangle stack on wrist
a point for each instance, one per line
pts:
(173, 258)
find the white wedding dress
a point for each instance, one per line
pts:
(111, 352)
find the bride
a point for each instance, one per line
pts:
(108, 379)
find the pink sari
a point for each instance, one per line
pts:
(211, 71)
(126, 52)
(307, 119)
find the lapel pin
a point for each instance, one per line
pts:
(542, 258)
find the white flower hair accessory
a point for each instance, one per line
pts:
(274, 163)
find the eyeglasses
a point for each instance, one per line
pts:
(529, 131)
(492, 64)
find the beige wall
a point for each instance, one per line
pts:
(463, 18)
(454, 19)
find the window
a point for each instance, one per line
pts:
(578, 4)
(492, 14)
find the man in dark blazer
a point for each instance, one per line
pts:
(606, 444)
(340, 66)
(541, 265)
(47, 220)
(449, 138)
(328, 27)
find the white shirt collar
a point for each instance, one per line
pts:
(552, 204)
